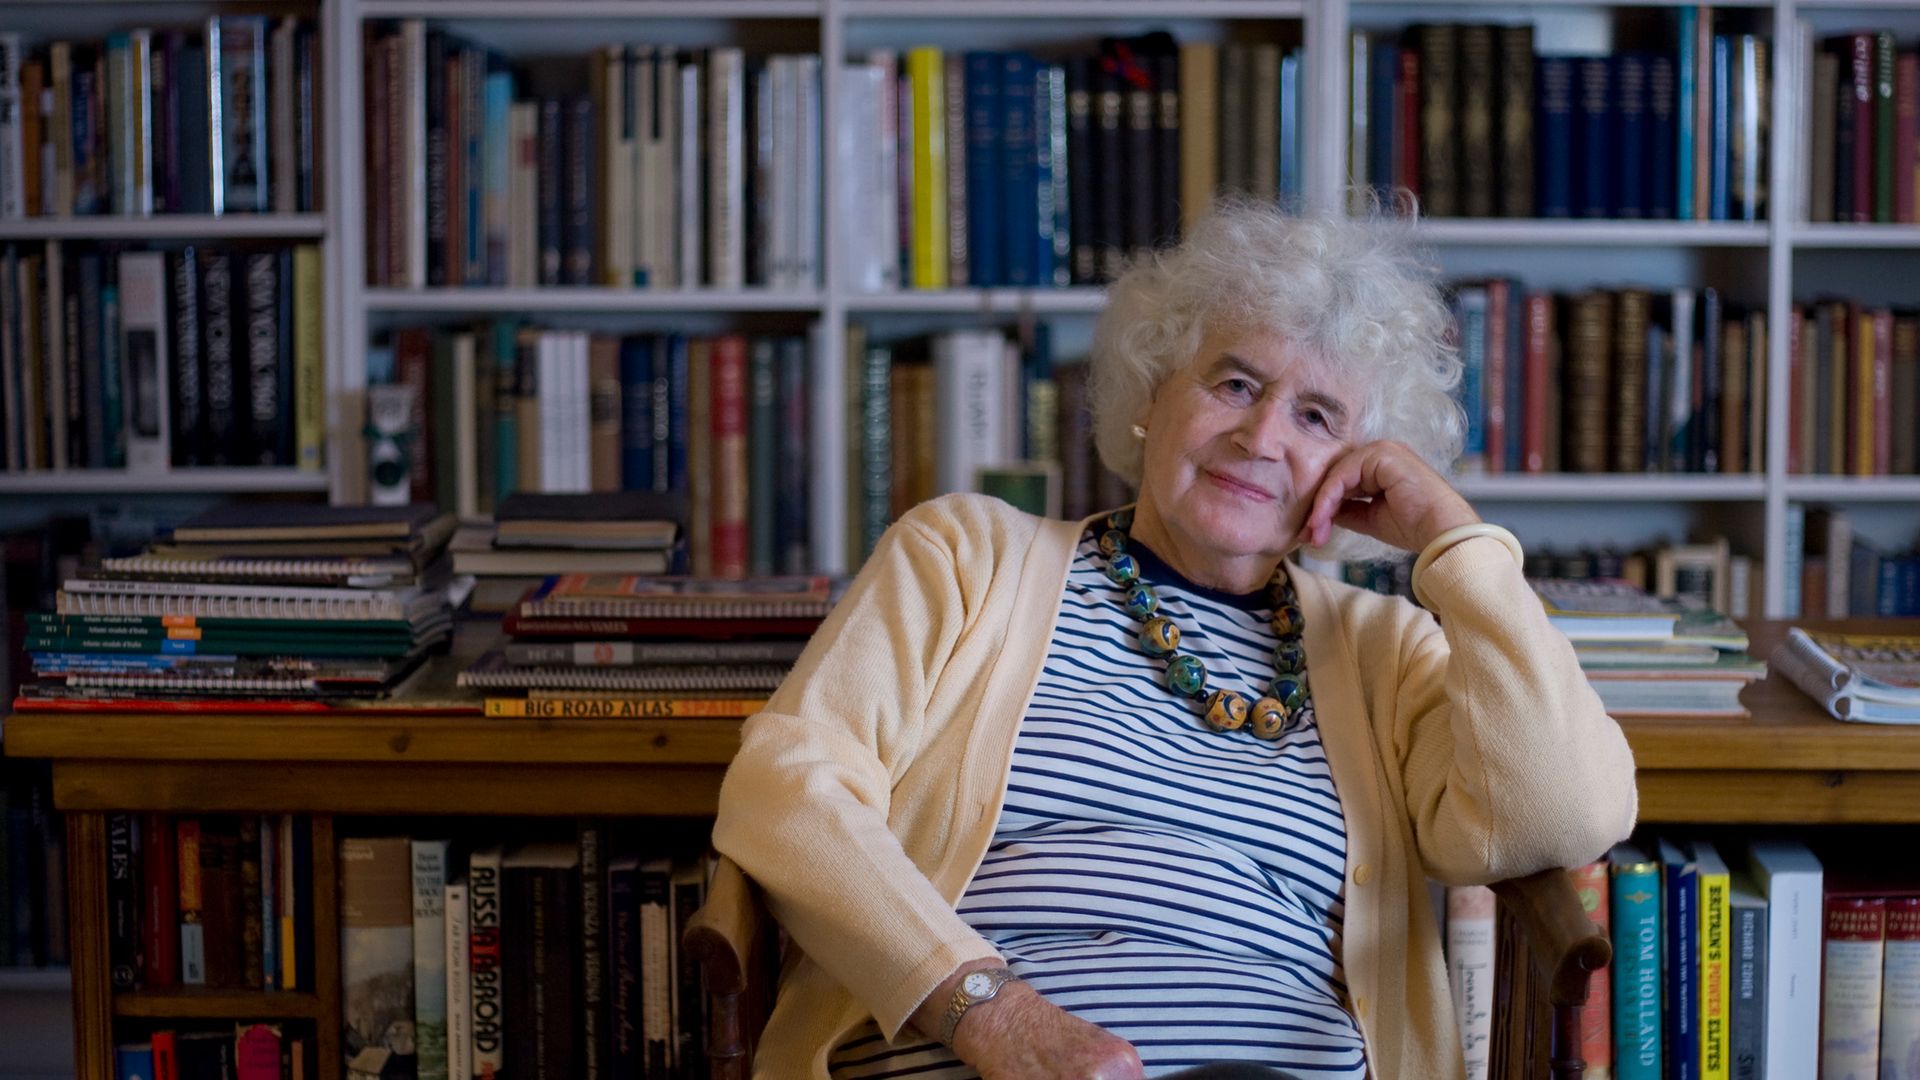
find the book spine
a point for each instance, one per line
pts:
(265, 389)
(253, 933)
(726, 164)
(219, 383)
(595, 1019)
(430, 930)
(794, 539)
(159, 903)
(553, 920)
(1900, 991)
(485, 965)
(604, 406)
(688, 886)
(1682, 899)
(763, 444)
(926, 74)
(577, 174)
(1747, 1018)
(876, 445)
(13, 201)
(636, 419)
(1081, 77)
(1018, 204)
(727, 371)
(1590, 883)
(1715, 971)
(267, 843)
(143, 349)
(1851, 986)
(959, 195)
(1469, 950)
(123, 902)
(242, 127)
(625, 708)
(623, 957)
(376, 940)
(1635, 903)
(193, 942)
(656, 987)
(308, 390)
(1556, 121)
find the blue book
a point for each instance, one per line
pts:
(678, 412)
(1630, 173)
(133, 1061)
(636, 413)
(1020, 198)
(1909, 585)
(1720, 150)
(1472, 316)
(1593, 138)
(1381, 102)
(1681, 960)
(1555, 117)
(87, 196)
(1660, 135)
(986, 258)
(1635, 911)
(113, 429)
(1886, 592)
(1688, 94)
(1291, 126)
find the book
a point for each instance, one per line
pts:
(623, 708)
(1715, 978)
(1857, 677)
(493, 672)
(1900, 991)
(485, 967)
(1680, 894)
(1592, 883)
(430, 1002)
(645, 653)
(191, 907)
(376, 954)
(1605, 611)
(1470, 959)
(635, 597)
(1747, 1013)
(457, 961)
(159, 903)
(1635, 907)
(1851, 972)
(657, 1038)
(540, 924)
(257, 522)
(596, 1020)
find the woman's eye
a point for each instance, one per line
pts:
(1238, 387)
(1314, 416)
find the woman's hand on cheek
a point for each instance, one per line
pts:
(1020, 1035)
(1386, 491)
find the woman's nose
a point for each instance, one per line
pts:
(1262, 432)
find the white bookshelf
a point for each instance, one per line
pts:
(1778, 260)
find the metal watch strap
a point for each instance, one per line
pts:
(962, 1001)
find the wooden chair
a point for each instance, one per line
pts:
(1545, 949)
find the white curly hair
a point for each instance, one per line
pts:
(1359, 294)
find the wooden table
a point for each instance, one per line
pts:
(1789, 762)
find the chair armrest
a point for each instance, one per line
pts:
(1565, 945)
(728, 937)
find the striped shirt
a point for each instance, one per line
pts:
(1179, 887)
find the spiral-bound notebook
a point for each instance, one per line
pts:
(351, 572)
(608, 596)
(492, 672)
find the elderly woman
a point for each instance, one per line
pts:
(1106, 799)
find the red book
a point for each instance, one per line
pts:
(256, 1052)
(1882, 320)
(1406, 121)
(1906, 145)
(728, 372)
(166, 1056)
(1495, 384)
(1860, 50)
(1591, 884)
(159, 915)
(1533, 426)
(1853, 948)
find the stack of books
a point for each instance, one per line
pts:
(584, 645)
(255, 604)
(534, 536)
(1650, 656)
(1867, 678)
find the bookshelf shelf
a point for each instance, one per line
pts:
(568, 299)
(1074, 9)
(184, 481)
(219, 1004)
(588, 9)
(1612, 487)
(986, 301)
(1856, 236)
(1504, 232)
(1854, 488)
(166, 227)
(29, 980)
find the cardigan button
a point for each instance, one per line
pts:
(1362, 874)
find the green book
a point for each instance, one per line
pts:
(51, 623)
(763, 460)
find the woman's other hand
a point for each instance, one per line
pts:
(1386, 491)
(1020, 1035)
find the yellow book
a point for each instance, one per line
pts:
(1862, 364)
(309, 376)
(927, 75)
(629, 708)
(1716, 967)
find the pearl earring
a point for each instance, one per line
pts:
(1139, 432)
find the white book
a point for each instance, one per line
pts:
(412, 212)
(1470, 917)
(1358, 142)
(13, 192)
(144, 335)
(466, 434)
(688, 181)
(1680, 382)
(616, 181)
(484, 973)
(459, 985)
(827, 417)
(430, 957)
(656, 982)
(1850, 993)
(726, 168)
(639, 75)
(1900, 993)
(812, 154)
(769, 254)
(970, 374)
(1791, 879)
(890, 166)
(580, 411)
(856, 151)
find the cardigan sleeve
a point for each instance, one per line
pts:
(1509, 761)
(804, 808)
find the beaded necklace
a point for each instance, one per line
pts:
(1186, 675)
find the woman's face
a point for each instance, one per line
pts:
(1237, 443)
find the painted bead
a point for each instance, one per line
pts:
(1268, 715)
(1289, 658)
(1121, 518)
(1122, 569)
(1226, 710)
(1269, 719)
(1287, 620)
(1186, 675)
(1289, 690)
(1112, 542)
(1141, 601)
(1159, 636)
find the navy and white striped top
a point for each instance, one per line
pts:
(1179, 887)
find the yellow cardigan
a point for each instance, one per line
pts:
(864, 797)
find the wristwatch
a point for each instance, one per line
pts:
(976, 987)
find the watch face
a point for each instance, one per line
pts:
(977, 984)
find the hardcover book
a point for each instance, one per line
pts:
(376, 956)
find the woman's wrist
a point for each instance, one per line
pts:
(1445, 542)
